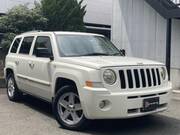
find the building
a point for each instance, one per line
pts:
(97, 18)
(149, 29)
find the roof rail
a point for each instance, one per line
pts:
(32, 31)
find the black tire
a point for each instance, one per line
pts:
(16, 95)
(82, 124)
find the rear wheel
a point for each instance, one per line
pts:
(12, 90)
(68, 110)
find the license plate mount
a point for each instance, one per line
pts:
(150, 104)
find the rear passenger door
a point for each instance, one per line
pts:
(22, 62)
(40, 68)
(12, 56)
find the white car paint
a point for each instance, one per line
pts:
(40, 80)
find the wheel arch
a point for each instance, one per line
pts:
(61, 81)
(10, 67)
(8, 71)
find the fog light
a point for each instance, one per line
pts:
(105, 105)
(102, 104)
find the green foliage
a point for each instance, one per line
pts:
(64, 15)
(5, 43)
(50, 15)
(20, 19)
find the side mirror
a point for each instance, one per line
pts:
(123, 52)
(43, 52)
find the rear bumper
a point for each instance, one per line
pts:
(121, 105)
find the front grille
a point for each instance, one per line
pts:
(139, 78)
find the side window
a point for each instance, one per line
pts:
(15, 45)
(26, 45)
(43, 47)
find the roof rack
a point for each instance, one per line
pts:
(32, 31)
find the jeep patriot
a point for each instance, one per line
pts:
(85, 77)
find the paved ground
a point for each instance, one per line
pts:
(2, 82)
(34, 117)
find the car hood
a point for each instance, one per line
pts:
(98, 62)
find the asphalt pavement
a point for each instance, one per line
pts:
(34, 117)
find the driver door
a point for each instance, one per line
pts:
(39, 68)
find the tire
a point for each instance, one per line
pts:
(13, 92)
(68, 112)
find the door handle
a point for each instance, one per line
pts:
(31, 64)
(17, 62)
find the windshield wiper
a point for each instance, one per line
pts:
(117, 54)
(96, 54)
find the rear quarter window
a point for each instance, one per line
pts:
(15, 45)
(26, 45)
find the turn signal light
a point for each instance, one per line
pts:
(89, 84)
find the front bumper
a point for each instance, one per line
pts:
(123, 104)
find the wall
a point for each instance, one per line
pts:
(140, 30)
(98, 11)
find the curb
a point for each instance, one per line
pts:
(2, 83)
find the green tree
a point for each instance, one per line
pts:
(18, 20)
(64, 15)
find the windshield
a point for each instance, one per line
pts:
(85, 45)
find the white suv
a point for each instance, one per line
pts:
(85, 77)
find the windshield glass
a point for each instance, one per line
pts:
(85, 45)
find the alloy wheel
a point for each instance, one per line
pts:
(11, 87)
(69, 108)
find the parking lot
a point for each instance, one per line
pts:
(34, 117)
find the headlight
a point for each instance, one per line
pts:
(109, 76)
(163, 73)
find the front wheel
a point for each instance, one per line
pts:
(68, 110)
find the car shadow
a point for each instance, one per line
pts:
(38, 105)
(147, 125)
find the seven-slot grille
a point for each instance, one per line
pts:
(139, 78)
